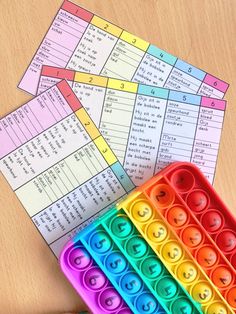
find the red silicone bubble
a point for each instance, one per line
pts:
(231, 297)
(177, 216)
(206, 256)
(222, 277)
(182, 180)
(212, 220)
(192, 236)
(198, 200)
(226, 241)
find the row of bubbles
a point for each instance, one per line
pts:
(118, 269)
(207, 207)
(89, 280)
(159, 235)
(147, 264)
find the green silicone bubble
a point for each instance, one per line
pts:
(136, 247)
(151, 267)
(121, 226)
(182, 306)
(166, 287)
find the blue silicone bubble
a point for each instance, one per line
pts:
(115, 263)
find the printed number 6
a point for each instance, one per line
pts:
(134, 41)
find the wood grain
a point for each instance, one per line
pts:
(201, 32)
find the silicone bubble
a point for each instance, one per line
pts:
(217, 308)
(136, 247)
(146, 304)
(206, 256)
(192, 236)
(182, 180)
(124, 311)
(226, 240)
(212, 221)
(177, 216)
(222, 277)
(109, 299)
(187, 272)
(162, 195)
(166, 287)
(121, 226)
(141, 211)
(131, 283)
(115, 263)
(181, 306)
(156, 231)
(94, 279)
(202, 292)
(79, 258)
(231, 297)
(151, 267)
(171, 252)
(197, 200)
(100, 242)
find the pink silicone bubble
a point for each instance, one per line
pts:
(183, 180)
(124, 311)
(94, 279)
(109, 299)
(79, 258)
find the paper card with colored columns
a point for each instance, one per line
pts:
(59, 164)
(80, 40)
(147, 127)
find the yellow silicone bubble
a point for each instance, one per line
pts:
(187, 272)
(217, 308)
(156, 231)
(202, 292)
(172, 252)
(141, 211)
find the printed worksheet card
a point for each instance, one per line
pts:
(147, 127)
(59, 164)
(80, 40)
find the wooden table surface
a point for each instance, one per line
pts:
(202, 32)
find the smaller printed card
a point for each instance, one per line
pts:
(59, 165)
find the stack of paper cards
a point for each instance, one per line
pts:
(111, 111)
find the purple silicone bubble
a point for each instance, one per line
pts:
(109, 299)
(94, 279)
(124, 311)
(79, 258)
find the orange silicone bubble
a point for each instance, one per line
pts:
(172, 252)
(192, 236)
(182, 180)
(177, 216)
(141, 211)
(156, 231)
(216, 308)
(212, 220)
(197, 200)
(162, 195)
(206, 256)
(187, 272)
(222, 277)
(231, 297)
(202, 292)
(226, 241)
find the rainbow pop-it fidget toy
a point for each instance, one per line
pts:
(168, 247)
